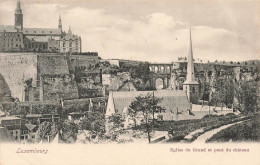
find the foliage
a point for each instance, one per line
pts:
(224, 93)
(69, 131)
(146, 105)
(246, 131)
(248, 97)
(46, 129)
(94, 122)
(116, 126)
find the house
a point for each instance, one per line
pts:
(28, 132)
(12, 124)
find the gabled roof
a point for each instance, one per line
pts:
(128, 86)
(173, 101)
(30, 127)
(8, 28)
(41, 31)
(70, 37)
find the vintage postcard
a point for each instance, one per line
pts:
(129, 82)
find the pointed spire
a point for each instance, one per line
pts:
(69, 32)
(60, 24)
(18, 9)
(190, 79)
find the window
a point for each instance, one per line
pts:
(16, 45)
(193, 89)
(64, 44)
(34, 31)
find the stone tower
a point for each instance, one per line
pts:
(191, 86)
(18, 23)
(60, 24)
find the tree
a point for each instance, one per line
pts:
(46, 131)
(116, 126)
(146, 105)
(248, 97)
(95, 123)
(69, 131)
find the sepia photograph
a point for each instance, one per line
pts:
(121, 79)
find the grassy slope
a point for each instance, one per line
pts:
(184, 127)
(246, 131)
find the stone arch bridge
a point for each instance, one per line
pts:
(160, 74)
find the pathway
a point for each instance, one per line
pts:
(202, 138)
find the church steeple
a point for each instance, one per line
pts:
(18, 23)
(190, 78)
(191, 85)
(69, 31)
(60, 24)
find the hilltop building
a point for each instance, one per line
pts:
(18, 38)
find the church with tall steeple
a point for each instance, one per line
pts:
(38, 39)
(191, 86)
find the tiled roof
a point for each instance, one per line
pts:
(34, 115)
(41, 31)
(172, 100)
(39, 38)
(9, 118)
(8, 28)
(70, 37)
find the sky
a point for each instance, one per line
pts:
(154, 31)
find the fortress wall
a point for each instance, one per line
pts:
(52, 64)
(59, 86)
(16, 68)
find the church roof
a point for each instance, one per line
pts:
(41, 31)
(39, 38)
(173, 101)
(8, 28)
(70, 37)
